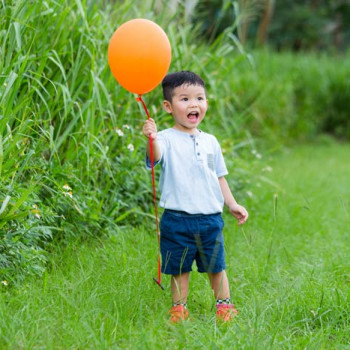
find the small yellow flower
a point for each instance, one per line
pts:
(5, 84)
(25, 141)
(36, 211)
(69, 194)
(5, 283)
(66, 187)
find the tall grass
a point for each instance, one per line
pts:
(71, 149)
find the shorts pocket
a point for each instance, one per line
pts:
(214, 223)
(169, 223)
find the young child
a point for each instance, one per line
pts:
(193, 193)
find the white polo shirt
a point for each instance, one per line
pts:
(191, 166)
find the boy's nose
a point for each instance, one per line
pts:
(193, 103)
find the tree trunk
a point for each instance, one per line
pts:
(265, 21)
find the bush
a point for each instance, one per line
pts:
(292, 97)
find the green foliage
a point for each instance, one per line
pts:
(302, 25)
(293, 24)
(291, 97)
(71, 148)
(288, 268)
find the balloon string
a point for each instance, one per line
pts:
(139, 99)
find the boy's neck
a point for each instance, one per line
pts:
(193, 131)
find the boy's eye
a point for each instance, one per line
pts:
(185, 99)
(200, 98)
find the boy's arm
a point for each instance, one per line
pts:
(150, 130)
(239, 212)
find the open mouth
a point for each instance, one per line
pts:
(193, 116)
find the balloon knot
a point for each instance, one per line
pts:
(138, 99)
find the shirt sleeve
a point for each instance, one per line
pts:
(220, 166)
(161, 143)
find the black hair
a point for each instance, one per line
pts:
(173, 80)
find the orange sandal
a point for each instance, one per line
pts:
(178, 313)
(225, 312)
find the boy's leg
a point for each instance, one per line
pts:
(179, 287)
(225, 310)
(179, 291)
(219, 283)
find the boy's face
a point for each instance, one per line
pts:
(188, 107)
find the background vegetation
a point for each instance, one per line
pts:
(71, 150)
(297, 25)
(77, 240)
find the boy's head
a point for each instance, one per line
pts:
(185, 99)
(174, 80)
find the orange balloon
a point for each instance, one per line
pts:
(139, 55)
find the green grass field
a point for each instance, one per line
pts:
(77, 240)
(288, 268)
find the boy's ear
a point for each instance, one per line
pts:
(167, 106)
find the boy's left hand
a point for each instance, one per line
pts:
(240, 213)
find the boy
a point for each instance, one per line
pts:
(193, 193)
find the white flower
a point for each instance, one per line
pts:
(256, 154)
(36, 211)
(5, 84)
(4, 282)
(66, 187)
(126, 126)
(268, 168)
(249, 194)
(69, 194)
(130, 147)
(119, 132)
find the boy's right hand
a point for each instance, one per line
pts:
(150, 129)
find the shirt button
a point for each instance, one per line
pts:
(198, 154)
(196, 143)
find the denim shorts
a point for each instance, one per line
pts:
(186, 237)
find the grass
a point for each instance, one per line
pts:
(66, 123)
(61, 115)
(288, 269)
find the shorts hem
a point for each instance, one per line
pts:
(216, 270)
(177, 272)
